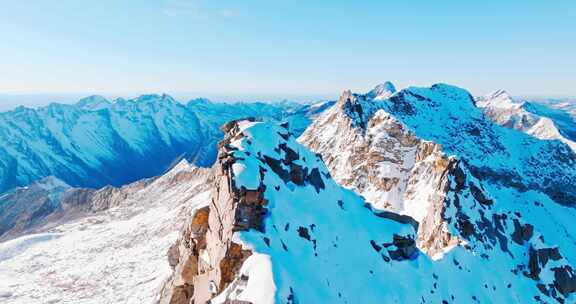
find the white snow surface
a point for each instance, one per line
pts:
(115, 256)
(260, 287)
(321, 241)
(533, 119)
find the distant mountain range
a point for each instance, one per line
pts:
(97, 142)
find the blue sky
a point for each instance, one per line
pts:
(297, 47)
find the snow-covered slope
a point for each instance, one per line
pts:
(405, 153)
(21, 209)
(281, 230)
(300, 118)
(535, 119)
(221, 113)
(446, 116)
(97, 142)
(562, 104)
(50, 202)
(115, 253)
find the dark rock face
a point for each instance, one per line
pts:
(539, 258)
(250, 210)
(231, 263)
(405, 248)
(479, 195)
(315, 179)
(564, 280)
(404, 219)
(489, 233)
(400, 104)
(303, 233)
(296, 174)
(522, 233)
(351, 105)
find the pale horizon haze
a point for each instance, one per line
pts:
(62, 50)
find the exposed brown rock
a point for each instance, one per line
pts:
(231, 263)
(209, 259)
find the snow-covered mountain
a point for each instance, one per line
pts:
(95, 143)
(300, 118)
(98, 142)
(405, 153)
(50, 202)
(410, 196)
(564, 104)
(217, 114)
(281, 230)
(113, 252)
(536, 119)
(21, 209)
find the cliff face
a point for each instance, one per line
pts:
(212, 259)
(206, 259)
(279, 229)
(431, 154)
(371, 152)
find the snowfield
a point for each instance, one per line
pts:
(115, 256)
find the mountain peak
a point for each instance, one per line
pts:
(499, 98)
(499, 92)
(382, 91)
(94, 102)
(200, 100)
(156, 98)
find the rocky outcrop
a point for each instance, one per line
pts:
(371, 145)
(430, 154)
(381, 159)
(206, 259)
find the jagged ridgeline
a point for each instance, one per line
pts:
(422, 195)
(280, 229)
(97, 142)
(432, 154)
